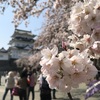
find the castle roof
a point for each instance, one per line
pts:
(23, 32)
(2, 50)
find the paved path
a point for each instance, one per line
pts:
(77, 94)
(60, 96)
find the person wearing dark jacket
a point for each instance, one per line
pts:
(45, 91)
(22, 84)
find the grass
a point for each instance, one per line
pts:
(77, 94)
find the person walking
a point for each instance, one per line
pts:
(33, 79)
(54, 93)
(9, 84)
(22, 84)
(45, 91)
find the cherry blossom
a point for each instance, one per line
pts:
(65, 72)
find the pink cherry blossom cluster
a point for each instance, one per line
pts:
(23, 9)
(84, 21)
(86, 42)
(66, 70)
(59, 3)
(85, 17)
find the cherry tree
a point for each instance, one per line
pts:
(23, 9)
(77, 24)
(73, 66)
(74, 24)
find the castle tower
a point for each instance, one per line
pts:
(20, 44)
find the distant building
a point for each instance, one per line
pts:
(20, 44)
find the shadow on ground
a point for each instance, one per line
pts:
(66, 99)
(78, 91)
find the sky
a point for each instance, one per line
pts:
(7, 28)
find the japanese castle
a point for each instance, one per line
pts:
(20, 44)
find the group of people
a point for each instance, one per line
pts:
(26, 82)
(21, 81)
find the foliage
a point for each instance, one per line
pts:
(73, 24)
(69, 68)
